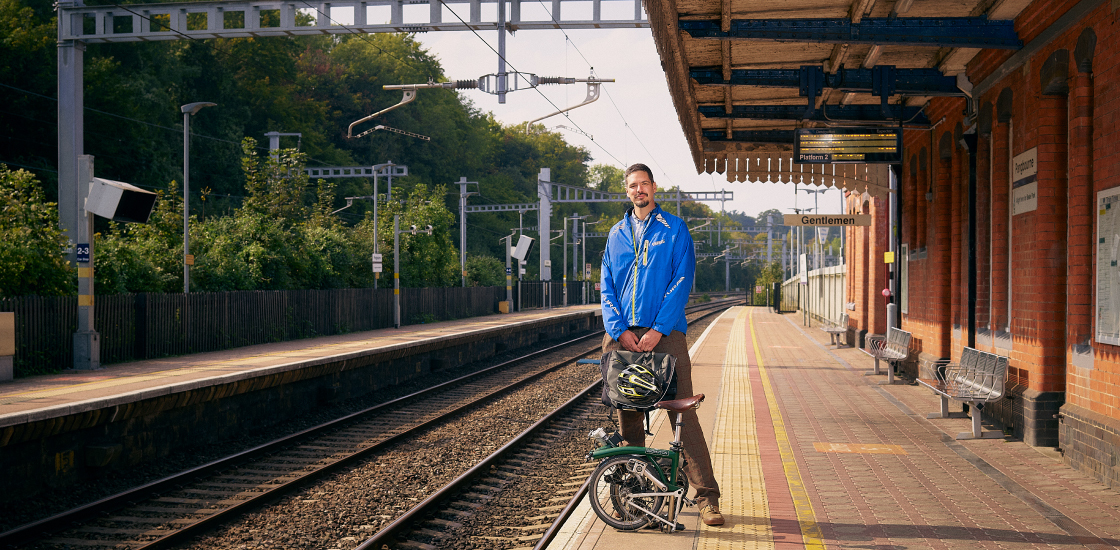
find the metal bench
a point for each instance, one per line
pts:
(979, 378)
(835, 331)
(892, 349)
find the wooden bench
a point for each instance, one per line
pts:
(835, 331)
(892, 349)
(979, 378)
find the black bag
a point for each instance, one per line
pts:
(663, 366)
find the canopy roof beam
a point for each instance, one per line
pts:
(855, 113)
(945, 32)
(921, 82)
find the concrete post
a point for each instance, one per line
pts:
(7, 345)
(87, 342)
(396, 271)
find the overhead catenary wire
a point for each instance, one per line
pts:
(619, 111)
(514, 69)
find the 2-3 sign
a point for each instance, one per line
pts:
(83, 253)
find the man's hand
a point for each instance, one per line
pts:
(649, 340)
(629, 341)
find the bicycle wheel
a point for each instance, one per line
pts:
(612, 483)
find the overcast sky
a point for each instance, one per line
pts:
(634, 119)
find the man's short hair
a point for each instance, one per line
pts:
(639, 168)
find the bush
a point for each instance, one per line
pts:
(32, 258)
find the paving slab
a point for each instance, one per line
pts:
(811, 453)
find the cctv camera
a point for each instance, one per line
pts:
(412, 228)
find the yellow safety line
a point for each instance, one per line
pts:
(810, 531)
(737, 457)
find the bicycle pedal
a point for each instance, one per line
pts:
(665, 528)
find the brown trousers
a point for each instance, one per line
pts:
(698, 462)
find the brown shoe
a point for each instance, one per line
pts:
(710, 515)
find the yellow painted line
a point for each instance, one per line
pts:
(737, 457)
(85, 299)
(860, 448)
(810, 532)
(85, 272)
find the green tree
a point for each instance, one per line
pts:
(485, 271)
(31, 243)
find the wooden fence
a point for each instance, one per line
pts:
(145, 326)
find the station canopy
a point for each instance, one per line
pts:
(744, 75)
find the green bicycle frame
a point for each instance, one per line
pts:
(669, 480)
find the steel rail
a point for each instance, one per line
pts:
(108, 504)
(119, 500)
(402, 524)
(564, 514)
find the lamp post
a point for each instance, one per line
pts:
(188, 110)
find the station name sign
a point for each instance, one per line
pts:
(847, 145)
(838, 220)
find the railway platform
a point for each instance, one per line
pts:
(62, 429)
(812, 452)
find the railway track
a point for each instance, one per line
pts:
(515, 497)
(169, 511)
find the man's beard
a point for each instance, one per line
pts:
(641, 203)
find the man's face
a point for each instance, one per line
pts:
(640, 188)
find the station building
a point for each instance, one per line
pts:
(1010, 237)
(1008, 195)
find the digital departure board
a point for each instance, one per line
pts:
(847, 145)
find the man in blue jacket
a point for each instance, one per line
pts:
(648, 268)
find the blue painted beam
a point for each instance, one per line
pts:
(949, 32)
(856, 113)
(924, 82)
(752, 136)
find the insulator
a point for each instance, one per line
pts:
(557, 80)
(466, 84)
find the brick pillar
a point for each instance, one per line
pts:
(1079, 252)
(956, 231)
(923, 204)
(1001, 158)
(876, 303)
(1040, 244)
(940, 249)
(984, 215)
(864, 278)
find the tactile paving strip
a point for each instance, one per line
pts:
(810, 531)
(736, 457)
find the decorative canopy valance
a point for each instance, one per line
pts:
(778, 167)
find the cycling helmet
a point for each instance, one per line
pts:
(638, 384)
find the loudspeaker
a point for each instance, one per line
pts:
(119, 201)
(524, 246)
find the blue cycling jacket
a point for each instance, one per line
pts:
(652, 291)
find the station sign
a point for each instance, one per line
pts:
(377, 258)
(837, 220)
(847, 145)
(83, 253)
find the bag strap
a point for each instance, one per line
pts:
(647, 411)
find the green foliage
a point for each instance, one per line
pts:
(486, 271)
(31, 243)
(426, 260)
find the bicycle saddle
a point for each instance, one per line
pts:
(681, 405)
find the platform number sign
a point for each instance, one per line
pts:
(509, 271)
(83, 253)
